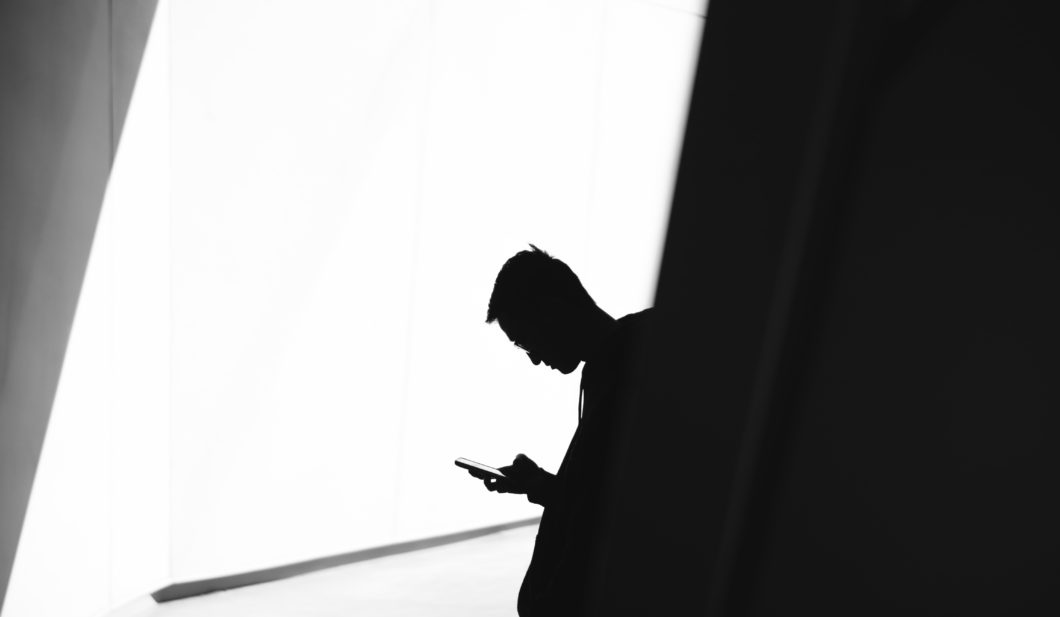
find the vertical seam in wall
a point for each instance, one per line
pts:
(108, 263)
(421, 164)
(686, 112)
(594, 152)
(169, 202)
(110, 78)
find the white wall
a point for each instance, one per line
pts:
(349, 177)
(300, 288)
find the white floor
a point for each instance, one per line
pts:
(475, 578)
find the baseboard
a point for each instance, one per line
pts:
(177, 591)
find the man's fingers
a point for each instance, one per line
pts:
(524, 462)
(495, 485)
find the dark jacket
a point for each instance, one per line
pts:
(569, 537)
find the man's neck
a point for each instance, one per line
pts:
(599, 327)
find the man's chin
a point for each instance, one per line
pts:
(567, 370)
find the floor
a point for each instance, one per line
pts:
(474, 578)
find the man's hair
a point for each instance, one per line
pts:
(529, 276)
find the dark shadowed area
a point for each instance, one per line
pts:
(850, 403)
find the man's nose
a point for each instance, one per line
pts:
(534, 359)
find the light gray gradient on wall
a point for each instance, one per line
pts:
(67, 78)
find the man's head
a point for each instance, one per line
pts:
(541, 305)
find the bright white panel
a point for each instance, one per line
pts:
(646, 83)
(97, 528)
(348, 179)
(295, 191)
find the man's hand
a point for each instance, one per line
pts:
(522, 477)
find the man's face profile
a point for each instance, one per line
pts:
(543, 342)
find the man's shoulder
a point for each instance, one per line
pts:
(630, 337)
(619, 348)
(643, 315)
(636, 323)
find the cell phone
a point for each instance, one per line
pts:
(469, 464)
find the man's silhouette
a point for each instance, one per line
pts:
(545, 311)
